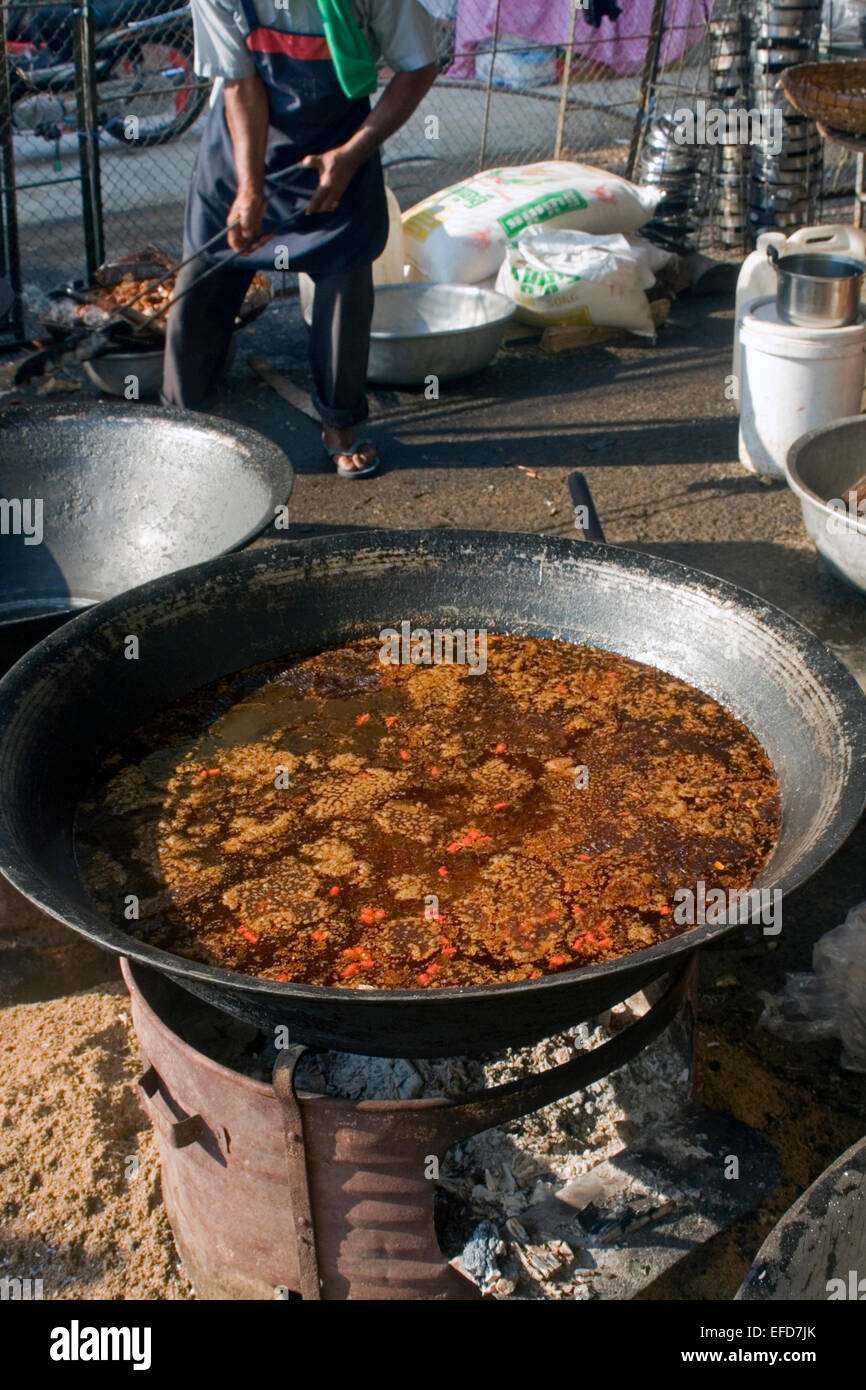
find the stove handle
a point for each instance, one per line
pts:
(180, 1132)
(582, 497)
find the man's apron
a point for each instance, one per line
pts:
(309, 114)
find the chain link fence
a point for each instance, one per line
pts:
(101, 111)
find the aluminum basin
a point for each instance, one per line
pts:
(821, 467)
(126, 493)
(446, 331)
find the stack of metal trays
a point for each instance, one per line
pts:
(728, 34)
(786, 157)
(671, 166)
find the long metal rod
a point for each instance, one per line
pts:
(566, 82)
(488, 89)
(87, 102)
(10, 247)
(647, 84)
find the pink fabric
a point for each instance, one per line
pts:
(621, 46)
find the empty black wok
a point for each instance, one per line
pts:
(125, 493)
(75, 696)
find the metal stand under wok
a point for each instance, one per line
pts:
(271, 1188)
(362, 1203)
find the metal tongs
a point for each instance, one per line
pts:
(88, 343)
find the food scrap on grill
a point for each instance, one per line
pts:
(344, 822)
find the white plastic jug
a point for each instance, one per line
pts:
(793, 379)
(757, 276)
(387, 270)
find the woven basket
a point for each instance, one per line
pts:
(832, 93)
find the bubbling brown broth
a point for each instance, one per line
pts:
(344, 822)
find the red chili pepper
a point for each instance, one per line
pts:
(577, 943)
(443, 873)
(449, 950)
(423, 979)
(390, 719)
(611, 675)
(589, 937)
(454, 846)
(500, 748)
(553, 915)
(247, 934)
(379, 914)
(434, 772)
(404, 755)
(351, 951)
(350, 970)
(584, 857)
(534, 974)
(260, 905)
(362, 718)
(663, 911)
(213, 772)
(281, 979)
(604, 942)
(333, 891)
(318, 934)
(366, 915)
(202, 774)
(500, 805)
(432, 969)
(557, 960)
(560, 689)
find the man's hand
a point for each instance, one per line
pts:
(336, 168)
(247, 210)
(392, 110)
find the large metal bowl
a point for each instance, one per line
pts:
(821, 468)
(126, 493)
(444, 331)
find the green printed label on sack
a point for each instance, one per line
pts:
(538, 282)
(541, 210)
(470, 197)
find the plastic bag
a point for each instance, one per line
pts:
(564, 276)
(460, 234)
(832, 1001)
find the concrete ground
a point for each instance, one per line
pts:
(653, 431)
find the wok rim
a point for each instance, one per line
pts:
(275, 462)
(834, 677)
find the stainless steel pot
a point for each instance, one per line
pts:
(817, 291)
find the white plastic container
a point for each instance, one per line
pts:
(793, 379)
(757, 276)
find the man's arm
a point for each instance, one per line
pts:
(392, 110)
(246, 106)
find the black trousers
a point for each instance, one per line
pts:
(200, 329)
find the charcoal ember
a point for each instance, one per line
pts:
(485, 1260)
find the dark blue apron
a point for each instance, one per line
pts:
(309, 114)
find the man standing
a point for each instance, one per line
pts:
(289, 163)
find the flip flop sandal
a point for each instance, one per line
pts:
(366, 472)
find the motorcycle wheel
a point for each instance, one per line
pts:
(189, 101)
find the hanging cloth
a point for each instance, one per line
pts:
(350, 52)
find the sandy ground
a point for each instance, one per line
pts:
(657, 439)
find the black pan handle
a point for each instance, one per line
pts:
(582, 497)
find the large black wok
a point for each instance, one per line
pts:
(75, 696)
